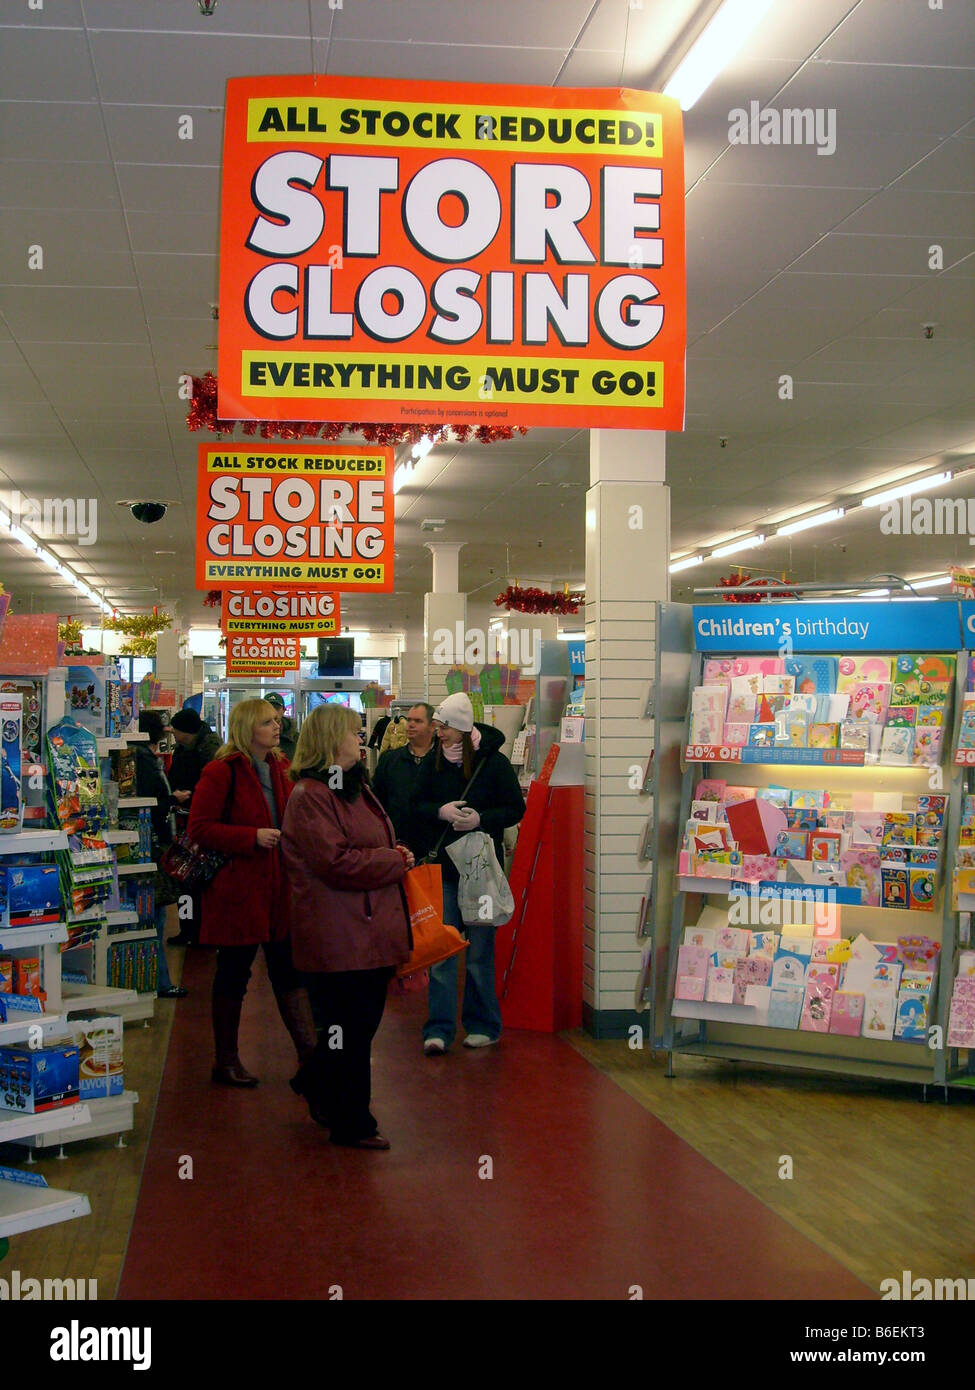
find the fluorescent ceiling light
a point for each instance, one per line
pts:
(687, 564)
(400, 475)
(48, 558)
(421, 448)
(929, 583)
(715, 47)
(24, 537)
(749, 543)
(808, 522)
(932, 480)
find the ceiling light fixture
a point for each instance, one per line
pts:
(929, 583)
(687, 564)
(714, 48)
(810, 521)
(749, 543)
(421, 448)
(933, 480)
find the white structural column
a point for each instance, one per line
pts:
(627, 572)
(444, 611)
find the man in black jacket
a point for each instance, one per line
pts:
(196, 744)
(395, 779)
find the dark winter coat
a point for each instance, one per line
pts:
(495, 795)
(151, 781)
(249, 901)
(394, 783)
(348, 910)
(189, 760)
(288, 738)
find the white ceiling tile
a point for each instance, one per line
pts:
(151, 134)
(503, 23)
(869, 96)
(41, 314)
(916, 213)
(38, 63)
(44, 130)
(904, 33)
(183, 232)
(431, 62)
(162, 187)
(35, 183)
(139, 67)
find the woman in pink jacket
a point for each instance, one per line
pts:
(350, 926)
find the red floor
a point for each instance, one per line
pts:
(590, 1193)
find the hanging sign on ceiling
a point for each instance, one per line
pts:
(274, 611)
(254, 654)
(308, 514)
(473, 254)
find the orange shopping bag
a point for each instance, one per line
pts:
(434, 939)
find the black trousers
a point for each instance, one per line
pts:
(234, 969)
(349, 1005)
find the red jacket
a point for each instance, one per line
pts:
(248, 902)
(348, 910)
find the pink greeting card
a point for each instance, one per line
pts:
(870, 700)
(855, 670)
(817, 1003)
(756, 970)
(860, 868)
(720, 985)
(846, 1014)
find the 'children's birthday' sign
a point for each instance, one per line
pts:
(440, 251)
(307, 515)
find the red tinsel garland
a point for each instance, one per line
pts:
(732, 581)
(536, 601)
(213, 598)
(203, 415)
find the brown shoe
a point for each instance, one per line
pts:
(232, 1075)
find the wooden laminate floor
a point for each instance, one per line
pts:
(880, 1181)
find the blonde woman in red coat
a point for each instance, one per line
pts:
(237, 808)
(349, 922)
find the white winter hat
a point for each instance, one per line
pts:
(456, 712)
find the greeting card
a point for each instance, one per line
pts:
(925, 667)
(778, 685)
(817, 1002)
(870, 700)
(710, 789)
(766, 943)
(720, 985)
(755, 970)
(896, 746)
(921, 888)
(927, 747)
(824, 845)
(860, 868)
(792, 844)
(704, 811)
(854, 670)
(814, 675)
(894, 888)
(702, 938)
(736, 735)
(755, 825)
(824, 735)
(785, 1006)
(759, 868)
(790, 963)
(846, 1015)
(879, 1009)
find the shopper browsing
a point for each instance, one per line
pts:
(467, 784)
(289, 734)
(151, 781)
(395, 779)
(350, 925)
(196, 745)
(237, 808)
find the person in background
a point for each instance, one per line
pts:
(395, 779)
(150, 780)
(450, 804)
(350, 923)
(395, 735)
(196, 745)
(238, 808)
(289, 734)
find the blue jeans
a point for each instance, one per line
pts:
(162, 978)
(481, 1012)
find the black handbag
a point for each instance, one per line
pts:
(189, 864)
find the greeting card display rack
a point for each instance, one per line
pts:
(732, 1032)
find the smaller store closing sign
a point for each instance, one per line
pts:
(279, 611)
(253, 654)
(305, 515)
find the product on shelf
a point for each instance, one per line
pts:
(93, 698)
(99, 1040)
(35, 1080)
(76, 784)
(11, 761)
(893, 710)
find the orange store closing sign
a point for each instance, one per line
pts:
(470, 253)
(300, 515)
(303, 612)
(253, 654)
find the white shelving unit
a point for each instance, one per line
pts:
(24, 1207)
(134, 803)
(76, 999)
(14, 1127)
(106, 1115)
(137, 868)
(120, 837)
(46, 934)
(31, 841)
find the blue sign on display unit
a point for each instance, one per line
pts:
(577, 658)
(967, 606)
(839, 626)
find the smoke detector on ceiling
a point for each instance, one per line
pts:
(432, 525)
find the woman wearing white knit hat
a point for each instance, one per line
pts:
(467, 785)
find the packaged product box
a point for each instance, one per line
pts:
(27, 975)
(35, 1080)
(93, 700)
(6, 975)
(33, 894)
(11, 761)
(99, 1040)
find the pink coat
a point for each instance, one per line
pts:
(248, 902)
(348, 909)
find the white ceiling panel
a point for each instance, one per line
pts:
(138, 67)
(183, 232)
(902, 32)
(79, 248)
(254, 17)
(865, 253)
(162, 187)
(41, 63)
(178, 286)
(862, 159)
(49, 314)
(916, 213)
(151, 134)
(40, 183)
(873, 97)
(503, 22)
(43, 130)
(434, 63)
